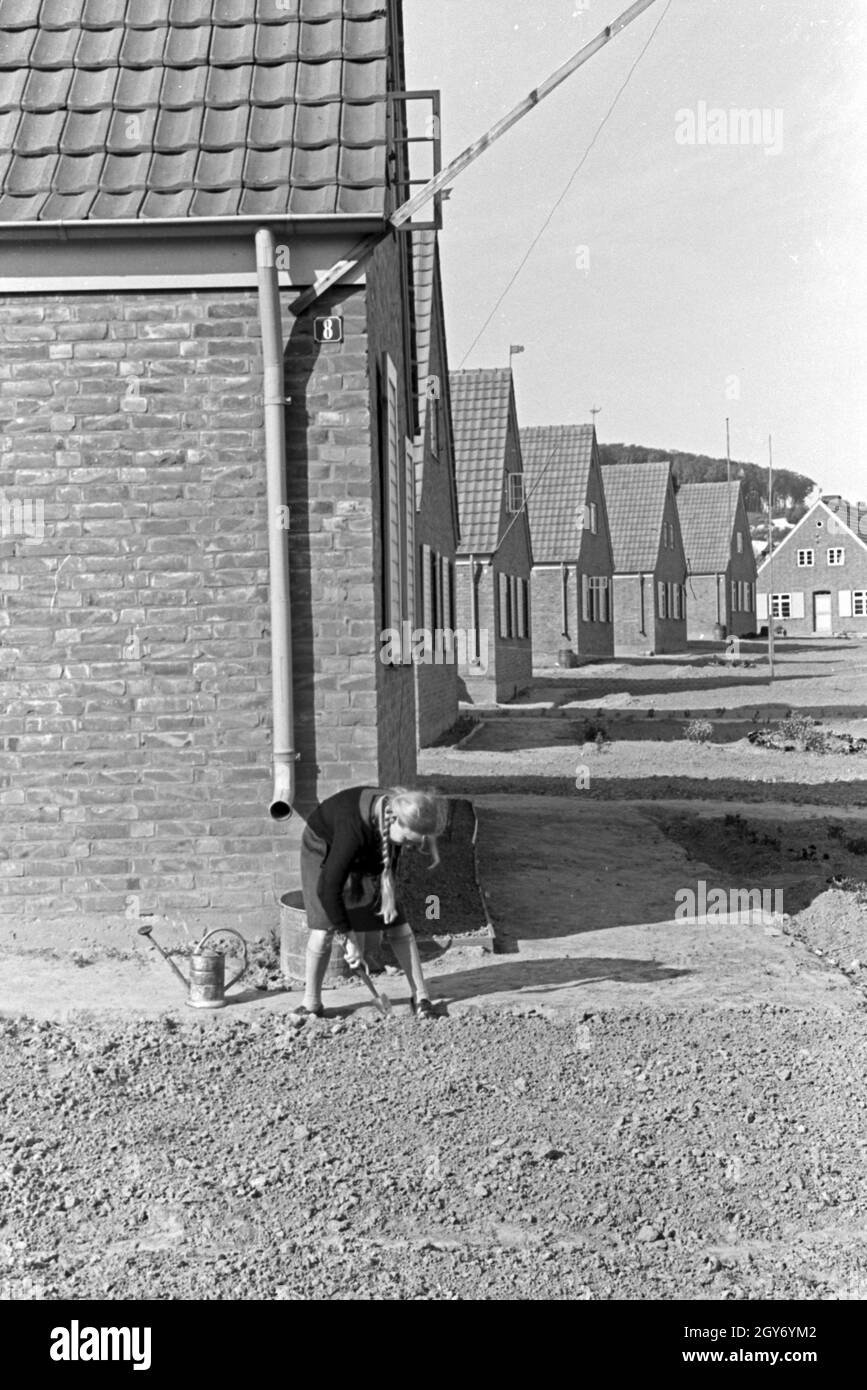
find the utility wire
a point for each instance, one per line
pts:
(575, 172)
(523, 507)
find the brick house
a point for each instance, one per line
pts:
(573, 564)
(819, 574)
(146, 148)
(721, 564)
(436, 499)
(495, 557)
(649, 563)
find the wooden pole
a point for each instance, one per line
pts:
(472, 152)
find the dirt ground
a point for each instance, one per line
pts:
(617, 1102)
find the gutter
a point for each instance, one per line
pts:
(142, 224)
(284, 754)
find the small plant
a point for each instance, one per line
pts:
(856, 846)
(699, 731)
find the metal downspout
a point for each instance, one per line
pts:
(284, 754)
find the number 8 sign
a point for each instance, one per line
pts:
(328, 330)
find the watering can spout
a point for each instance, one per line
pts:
(146, 931)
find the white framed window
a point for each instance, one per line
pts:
(859, 603)
(806, 558)
(837, 555)
(677, 600)
(739, 539)
(781, 606)
(592, 518)
(734, 595)
(662, 599)
(516, 492)
(597, 598)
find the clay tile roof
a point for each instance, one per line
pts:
(289, 95)
(557, 461)
(481, 412)
(635, 495)
(708, 512)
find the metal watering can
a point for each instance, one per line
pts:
(207, 985)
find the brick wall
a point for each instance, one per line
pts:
(135, 661)
(135, 654)
(631, 637)
(705, 605)
(547, 606)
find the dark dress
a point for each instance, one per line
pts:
(341, 863)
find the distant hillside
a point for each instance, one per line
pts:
(790, 489)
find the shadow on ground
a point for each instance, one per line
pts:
(548, 976)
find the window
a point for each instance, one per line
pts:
(434, 414)
(806, 558)
(591, 521)
(859, 603)
(516, 492)
(662, 599)
(740, 542)
(837, 556)
(781, 606)
(734, 595)
(597, 598)
(676, 605)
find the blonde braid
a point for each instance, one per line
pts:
(388, 909)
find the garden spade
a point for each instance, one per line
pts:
(382, 1001)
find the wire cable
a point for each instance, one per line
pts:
(575, 172)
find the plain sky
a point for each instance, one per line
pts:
(678, 283)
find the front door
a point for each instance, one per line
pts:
(822, 613)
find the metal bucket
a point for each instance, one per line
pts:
(293, 944)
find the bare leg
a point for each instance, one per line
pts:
(402, 942)
(317, 957)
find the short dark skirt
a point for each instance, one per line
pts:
(363, 916)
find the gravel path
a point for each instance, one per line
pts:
(493, 1155)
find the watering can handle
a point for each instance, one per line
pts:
(228, 931)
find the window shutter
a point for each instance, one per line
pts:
(585, 598)
(447, 594)
(797, 609)
(393, 545)
(844, 600)
(409, 545)
(427, 589)
(762, 607)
